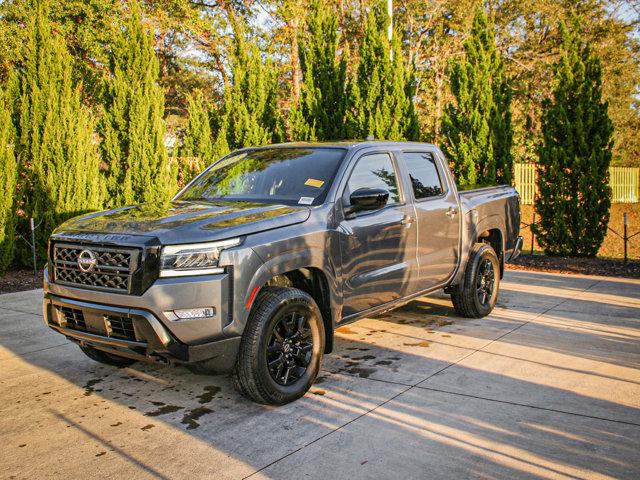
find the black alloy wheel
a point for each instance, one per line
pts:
(281, 348)
(485, 281)
(289, 348)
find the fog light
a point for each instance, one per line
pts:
(189, 313)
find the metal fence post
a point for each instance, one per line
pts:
(625, 237)
(33, 249)
(533, 235)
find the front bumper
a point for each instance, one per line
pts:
(138, 327)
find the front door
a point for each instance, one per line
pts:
(436, 207)
(378, 247)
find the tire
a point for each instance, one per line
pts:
(281, 316)
(479, 291)
(107, 358)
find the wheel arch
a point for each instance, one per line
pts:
(314, 281)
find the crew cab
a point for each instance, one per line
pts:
(255, 263)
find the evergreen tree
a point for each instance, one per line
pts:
(250, 116)
(381, 93)
(197, 141)
(477, 126)
(8, 178)
(321, 110)
(573, 170)
(133, 126)
(55, 146)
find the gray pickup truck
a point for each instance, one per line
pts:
(257, 261)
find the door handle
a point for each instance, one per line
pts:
(407, 220)
(452, 212)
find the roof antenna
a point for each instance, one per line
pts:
(369, 138)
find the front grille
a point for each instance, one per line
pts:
(74, 318)
(113, 269)
(121, 327)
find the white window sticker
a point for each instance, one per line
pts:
(305, 201)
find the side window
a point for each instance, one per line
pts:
(375, 171)
(423, 173)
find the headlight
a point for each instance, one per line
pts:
(193, 259)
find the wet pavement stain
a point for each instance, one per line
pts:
(192, 415)
(163, 410)
(89, 386)
(209, 392)
(364, 357)
(362, 372)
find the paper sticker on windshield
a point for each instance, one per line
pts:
(305, 201)
(312, 182)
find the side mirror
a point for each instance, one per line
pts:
(368, 199)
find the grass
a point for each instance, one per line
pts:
(613, 246)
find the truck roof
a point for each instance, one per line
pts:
(348, 144)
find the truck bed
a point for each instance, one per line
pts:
(502, 201)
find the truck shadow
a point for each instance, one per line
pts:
(432, 407)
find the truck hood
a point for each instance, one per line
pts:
(187, 222)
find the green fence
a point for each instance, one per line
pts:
(624, 182)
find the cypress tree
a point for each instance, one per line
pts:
(250, 116)
(321, 109)
(56, 148)
(477, 125)
(197, 141)
(573, 170)
(8, 178)
(381, 94)
(133, 125)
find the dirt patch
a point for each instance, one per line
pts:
(19, 281)
(346, 331)
(585, 266)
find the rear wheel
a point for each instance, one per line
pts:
(107, 358)
(479, 292)
(281, 348)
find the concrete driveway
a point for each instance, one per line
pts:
(548, 386)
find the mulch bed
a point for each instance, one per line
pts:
(19, 280)
(584, 266)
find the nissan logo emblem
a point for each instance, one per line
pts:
(86, 261)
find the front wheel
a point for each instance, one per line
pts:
(479, 292)
(281, 348)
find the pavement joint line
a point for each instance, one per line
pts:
(13, 310)
(425, 388)
(329, 433)
(526, 405)
(507, 402)
(18, 355)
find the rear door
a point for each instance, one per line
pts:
(378, 248)
(437, 211)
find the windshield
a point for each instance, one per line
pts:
(292, 176)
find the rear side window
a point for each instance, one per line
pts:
(375, 171)
(423, 173)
